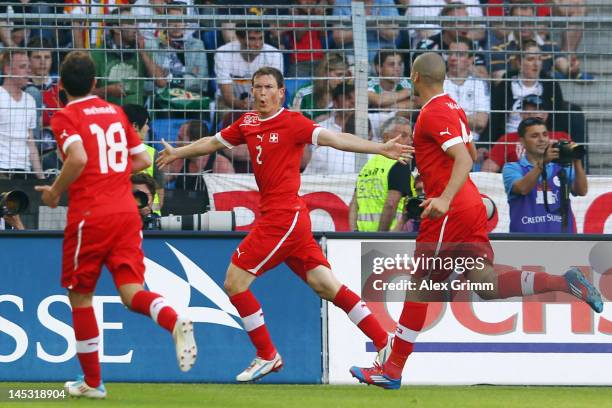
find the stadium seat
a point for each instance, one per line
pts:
(166, 129)
(291, 87)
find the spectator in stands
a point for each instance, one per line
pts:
(389, 90)
(471, 93)
(45, 91)
(451, 31)
(554, 62)
(92, 33)
(325, 160)
(191, 170)
(307, 44)
(315, 100)
(431, 8)
(18, 152)
(123, 64)
(145, 183)
(139, 117)
(236, 62)
(382, 185)
(534, 183)
(151, 8)
(382, 36)
(181, 55)
(507, 96)
(508, 147)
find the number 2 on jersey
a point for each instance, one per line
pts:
(111, 152)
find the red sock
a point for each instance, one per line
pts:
(361, 316)
(525, 283)
(253, 321)
(155, 306)
(87, 339)
(410, 323)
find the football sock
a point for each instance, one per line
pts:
(155, 306)
(87, 339)
(525, 283)
(410, 323)
(361, 316)
(253, 321)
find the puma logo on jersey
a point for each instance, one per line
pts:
(446, 132)
(260, 137)
(239, 253)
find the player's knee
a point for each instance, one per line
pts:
(324, 289)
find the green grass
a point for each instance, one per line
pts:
(326, 396)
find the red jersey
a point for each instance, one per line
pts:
(508, 149)
(276, 145)
(442, 124)
(104, 186)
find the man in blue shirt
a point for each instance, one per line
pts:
(534, 175)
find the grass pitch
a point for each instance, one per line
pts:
(325, 396)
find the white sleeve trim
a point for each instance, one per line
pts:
(137, 149)
(70, 140)
(315, 135)
(451, 142)
(222, 140)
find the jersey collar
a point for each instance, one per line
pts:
(83, 99)
(432, 98)
(271, 117)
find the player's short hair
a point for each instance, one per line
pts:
(145, 179)
(78, 73)
(137, 114)
(527, 123)
(280, 80)
(7, 56)
(382, 55)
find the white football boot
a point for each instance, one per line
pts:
(259, 368)
(184, 340)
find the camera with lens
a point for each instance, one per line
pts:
(209, 221)
(568, 153)
(412, 208)
(13, 203)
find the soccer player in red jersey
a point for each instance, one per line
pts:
(275, 138)
(100, 150)
(454, 222)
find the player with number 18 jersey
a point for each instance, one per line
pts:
(102, 211)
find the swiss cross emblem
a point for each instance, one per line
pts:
(64, 134)
(273, 137)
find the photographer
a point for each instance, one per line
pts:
(144, 183)
(545, 166)
(11, 222)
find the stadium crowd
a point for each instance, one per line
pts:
(192, 79)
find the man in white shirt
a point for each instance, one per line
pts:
(235, 63)
(18, 154)
(471, 94)
(326, 160)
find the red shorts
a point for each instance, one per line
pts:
(457, 234)
(90, 243)
(280, 237)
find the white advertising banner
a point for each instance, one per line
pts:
(495, 342)
(328, 198)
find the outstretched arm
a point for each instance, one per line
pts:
(351, 143)
(201, 147)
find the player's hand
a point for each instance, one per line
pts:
(397, 151)
(166, 156)
(435, 207)
(49, 197)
